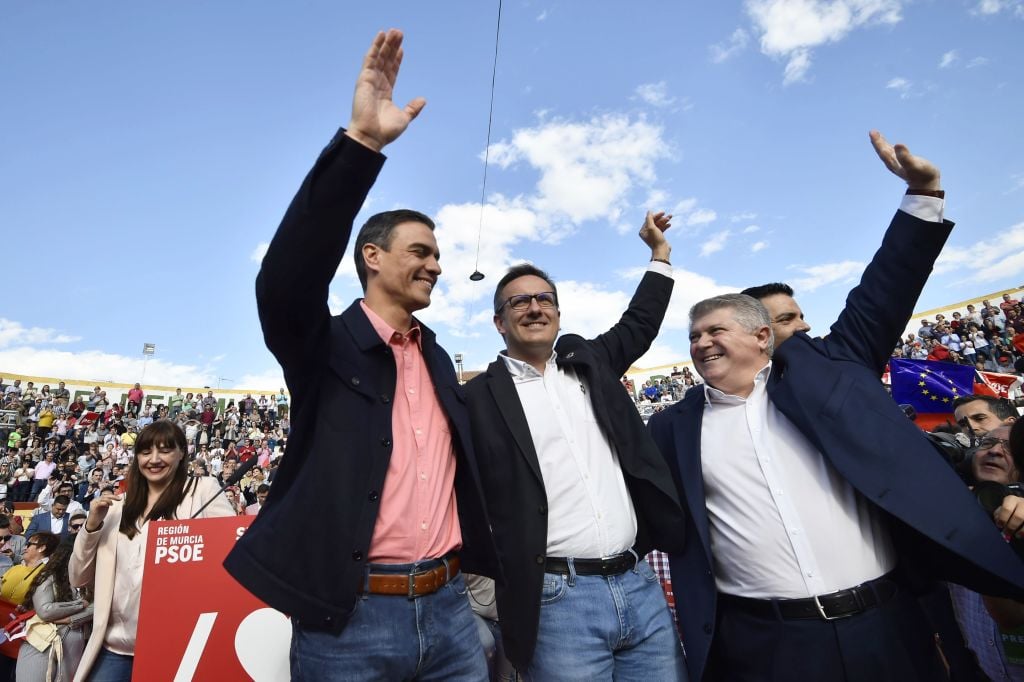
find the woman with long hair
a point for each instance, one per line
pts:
(64, 614)
(110, 550)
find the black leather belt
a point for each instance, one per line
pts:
(613, 565)
(833, 606)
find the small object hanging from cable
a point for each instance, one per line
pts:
(477, 275)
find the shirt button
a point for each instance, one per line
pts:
(355, 381)
(412, 390)
(707, 628)
(423, 526)
(418, 431)
(810, 574)
(539, 559)
(386, 442)
(385, 399)
(423, 476)
(373, 496)
(357, 556)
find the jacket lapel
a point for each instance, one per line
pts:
(687, 450)
(503, 389)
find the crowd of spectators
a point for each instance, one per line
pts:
(49, 439)
(988, 337)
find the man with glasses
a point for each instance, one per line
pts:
(12, 546)
(992, 461)
(575, 488)
(76, 523)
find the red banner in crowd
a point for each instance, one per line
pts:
(195, 621)
(995, 384)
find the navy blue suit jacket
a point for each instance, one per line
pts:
(830, 390)
(41, 523)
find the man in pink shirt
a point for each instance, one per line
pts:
(380, 438)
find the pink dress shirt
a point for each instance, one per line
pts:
(417, 518)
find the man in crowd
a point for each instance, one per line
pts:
(55, 521)
(982, 413)
(380, 432)
(819, 460)
(786, 315)
(12, 545)
(262, 490)
(575, 488)
(991, 462)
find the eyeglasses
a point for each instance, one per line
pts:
(77, 526)
(545, 299)
(989, 443)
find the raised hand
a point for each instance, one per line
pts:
(918, 172)
(376, 121)
(653, 234)
(98, 509)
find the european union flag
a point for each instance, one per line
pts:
(929, 386)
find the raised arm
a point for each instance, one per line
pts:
(633, 334)
(878, 308)
(376, 120)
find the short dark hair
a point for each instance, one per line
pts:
(515, 272)
(379, 230)
(770, 289)
(62, 499)
(262, 488)
(1000, 407)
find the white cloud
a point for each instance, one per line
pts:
(587, 169)
(900, 85)
(986, 261)
(751, 229)
(701, 216)
(14, 333)
(797, 67)
(948, 59)
(92, 365)
(990, 7)
(790, 29)
(817, 276)
(655, 94)
(542, 16)
(742, 217)
(758, 246)
(259, 252)
(976, 62)
(270, 380)
(715, 243)
(737, 43)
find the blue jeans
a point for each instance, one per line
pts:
(111, 667)
(603, 628)
(391, 637)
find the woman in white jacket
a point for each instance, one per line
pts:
(110, 550)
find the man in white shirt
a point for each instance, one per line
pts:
(806, 484)
(575, 489)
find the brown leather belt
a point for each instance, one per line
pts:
(415, 583)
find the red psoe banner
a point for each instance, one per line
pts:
(195, 621)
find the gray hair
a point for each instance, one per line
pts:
(749, 312)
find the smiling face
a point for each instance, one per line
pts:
(529, 333)
(725, 354)
(787, 317)
(158, 463)
(406, 271)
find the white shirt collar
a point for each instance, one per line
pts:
(712, 395)
(520, 369)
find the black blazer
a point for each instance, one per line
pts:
(305, 553)
(830, 389)
(510, 471)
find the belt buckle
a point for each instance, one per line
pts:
(825, 616)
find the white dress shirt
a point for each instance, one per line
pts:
(590, 513)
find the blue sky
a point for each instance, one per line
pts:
(149, 150)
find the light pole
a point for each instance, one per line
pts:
(147, 350)
(458, 365)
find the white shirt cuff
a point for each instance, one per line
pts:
(923, 207)
(660, 268)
